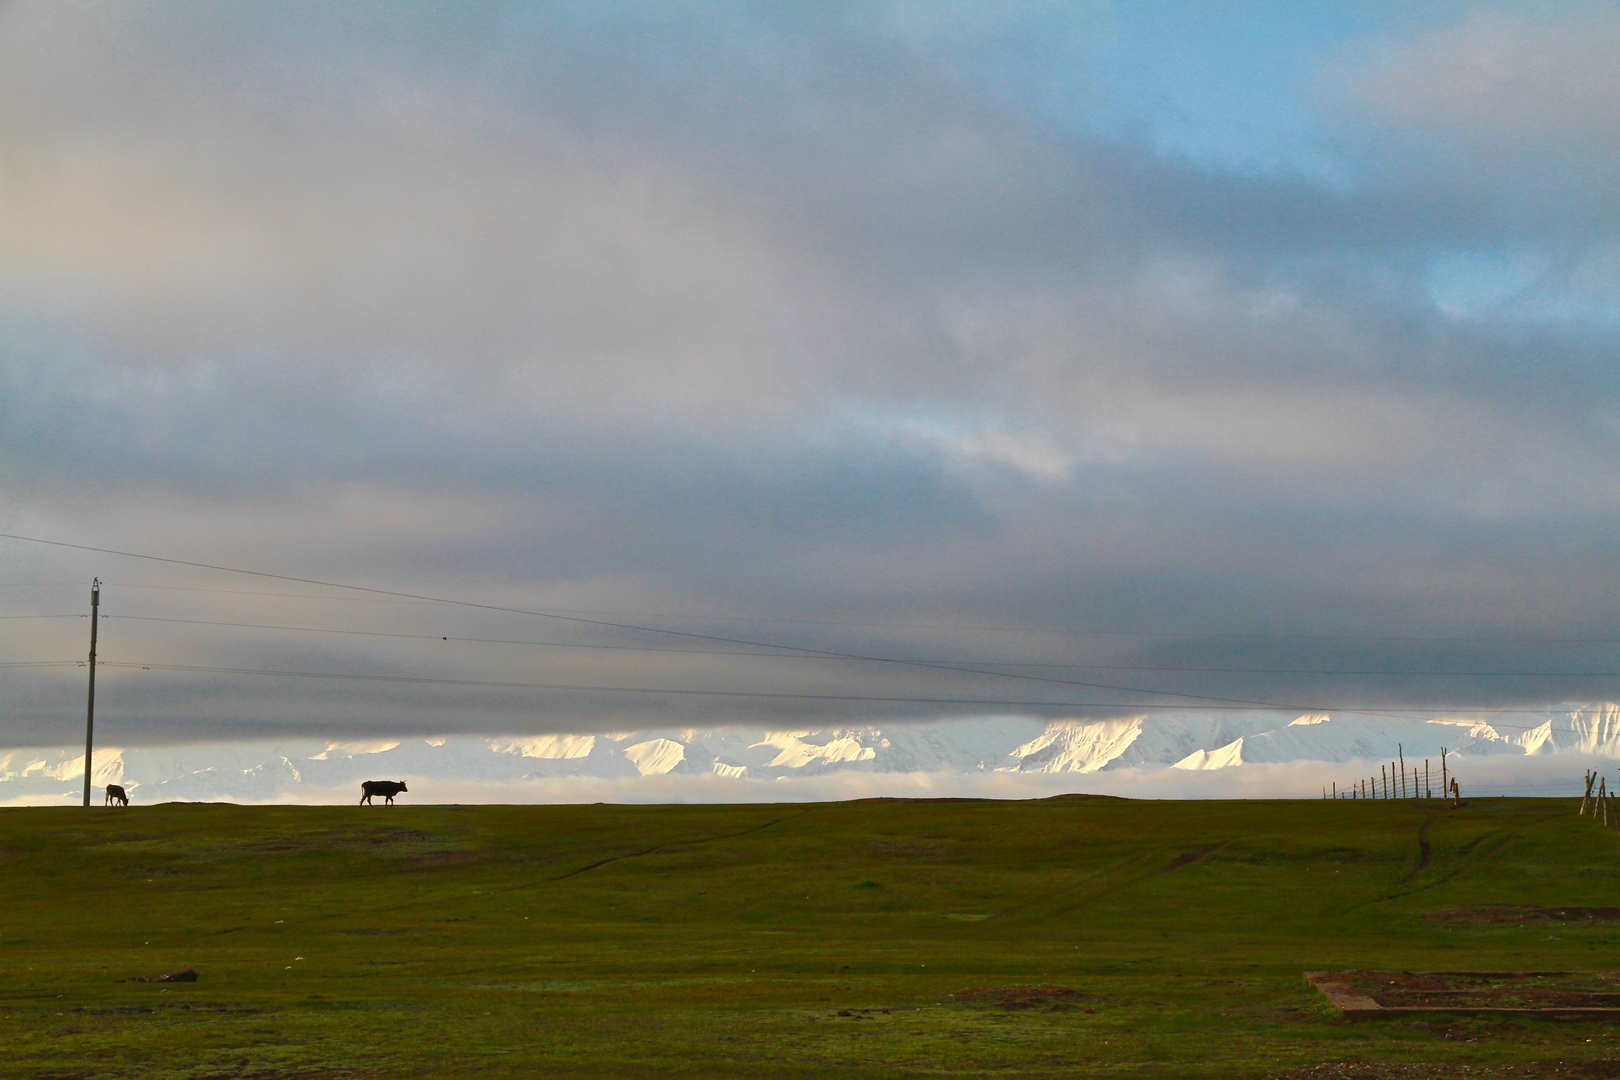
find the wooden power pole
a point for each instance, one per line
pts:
(90, 704)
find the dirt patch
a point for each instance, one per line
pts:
(1187, 858)
(188, 975)
(1365, 994)
(1488, 914)
(1025, 997)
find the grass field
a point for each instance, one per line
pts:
(784, 940)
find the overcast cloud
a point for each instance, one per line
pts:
(876, 328)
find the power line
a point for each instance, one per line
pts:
(779, 656)
(1463, 714)
(659, 630)
(831, 622)
(594, 688)
(1465, 717)
(1205, 699)
(275, 595)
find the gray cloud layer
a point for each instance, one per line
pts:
(795, 315)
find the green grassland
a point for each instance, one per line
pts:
(819, 940)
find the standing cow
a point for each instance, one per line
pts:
(386, 788)
(116, 794)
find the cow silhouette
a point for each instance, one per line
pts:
(116, 794)
(386, 788)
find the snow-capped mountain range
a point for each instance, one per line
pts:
(1196, 742)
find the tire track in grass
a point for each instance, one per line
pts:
(1123, 879)
(589, 867)
(660, 847)
(1030, 906)
(1464, 853)
(1425, 849)
(507, 965)
(580, 870)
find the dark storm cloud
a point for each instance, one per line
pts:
(795, 314)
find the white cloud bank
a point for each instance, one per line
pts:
(1188, 756)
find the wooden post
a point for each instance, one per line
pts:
(1443, 788)
(1400, 752)
(1385, 778)
(1603, 799)
(1456, 794)
(1586, 796)
(1428, 792)
(1335, 789)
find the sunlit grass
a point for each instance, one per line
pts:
(821, 940)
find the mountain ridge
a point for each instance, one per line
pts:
(1191, 742)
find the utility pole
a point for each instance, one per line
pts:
(90, 705)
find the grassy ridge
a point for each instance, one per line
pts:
(726, 940)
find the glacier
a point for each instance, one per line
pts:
(737, 760)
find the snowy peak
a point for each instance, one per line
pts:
(1188, 741)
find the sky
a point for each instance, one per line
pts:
(1132, 355)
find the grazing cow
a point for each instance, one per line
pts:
(386, 788)
(116, 794)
